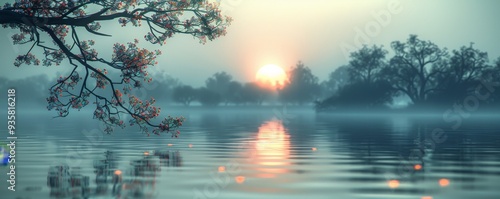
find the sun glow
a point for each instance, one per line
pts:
(271, 76)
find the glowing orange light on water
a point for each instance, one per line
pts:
(443, 182)
(270, 152)
(170, 145)
(190, 146)
(426, 197)
(417, 167)
(222, 168)
(240, 179)
(314, 149)
(118, 172)
(272, 148)
(393, 184)
(146, 153)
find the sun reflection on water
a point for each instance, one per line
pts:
(272, 149)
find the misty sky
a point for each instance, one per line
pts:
(282, 32)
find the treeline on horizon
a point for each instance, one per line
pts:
(220, 90)
(419, 71)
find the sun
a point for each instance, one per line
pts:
(271, 76)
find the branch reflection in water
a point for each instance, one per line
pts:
(136, 180)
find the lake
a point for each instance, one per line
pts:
(265, 153)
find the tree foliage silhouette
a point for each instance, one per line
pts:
(414, 67)
(466, 68)
(63, 22)
(419, 70)
(302, 85)
(366, 63)
(253, 93)
(184, 94)
(220, 83)
(336, 80)
(208, 97)
(367, 88)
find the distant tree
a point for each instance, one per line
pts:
(466, 65)
(367, 89)
(463, 73)
(234, 93)
(219, 83)
(496, 70)
(255, 94)
(184, 94)
(163, 87)
(492, 77)
(495, 78)
(46, 25)
(208, 97)
(497, 65)
(414, 67)
(360, 95)
(336, 79)
(302, 86)
(366, 63)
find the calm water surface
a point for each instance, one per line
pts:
(261, 154)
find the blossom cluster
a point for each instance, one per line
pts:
(117, 98)
(169, 123)
(57, 94)
(134, 60)
(79, 102)
(89, 53)
(53, 56)
(26, 59)
(94, 26)
(143, 111)
(100, 77)
(207, 22)
(19, 38)
(102, 114)
(61, 31)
